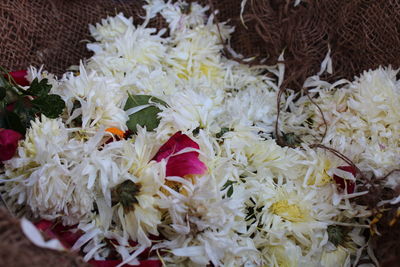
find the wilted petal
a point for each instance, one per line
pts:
(345, 183)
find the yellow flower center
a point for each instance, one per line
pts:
(204, 70)
(290, 212)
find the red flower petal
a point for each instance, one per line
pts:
(67, 237)
(43, 225)
(182, 164)
(19, 77)
(341, 182)
(185, 164)
(8, 143)
(175, 143)
(60, 232)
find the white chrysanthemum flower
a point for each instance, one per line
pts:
(128, 206)
(96, 100)
(292, 195)
(363, 119)
(41, 74)
(203, 226)
(196, 53)
(131, 48)
(187, 111)
(41, 176)
(111, 28)
(181, 16)
(251, 107)
(155, 82)
(143, 217)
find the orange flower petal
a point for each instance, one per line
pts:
(116, 131)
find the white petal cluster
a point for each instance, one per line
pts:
(362, 116)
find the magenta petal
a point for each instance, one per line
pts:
(8, 143)
(175, 143)
(19, 77)
(185, 164)
(182, 164)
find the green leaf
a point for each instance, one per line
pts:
(3, 93)
(3, 81)
(37, 88)
(145, 117)
(23, 108)
(230, 191)
(13, 122)
(3, 122)
(228, 183)
(49, 105)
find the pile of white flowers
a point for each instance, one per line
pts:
(257, 204)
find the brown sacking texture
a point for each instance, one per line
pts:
(53, 32)
(17, 250)
(362, 35)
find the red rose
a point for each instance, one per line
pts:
(8, 143)
(180, 164)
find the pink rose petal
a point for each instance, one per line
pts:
(175, 143)
(185, 164)
(182, 164)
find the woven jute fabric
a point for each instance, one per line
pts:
(55, 32)
(362, 34)
(52, 32)
(17, 250)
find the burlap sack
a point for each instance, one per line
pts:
(362, 34)
(18, 251)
